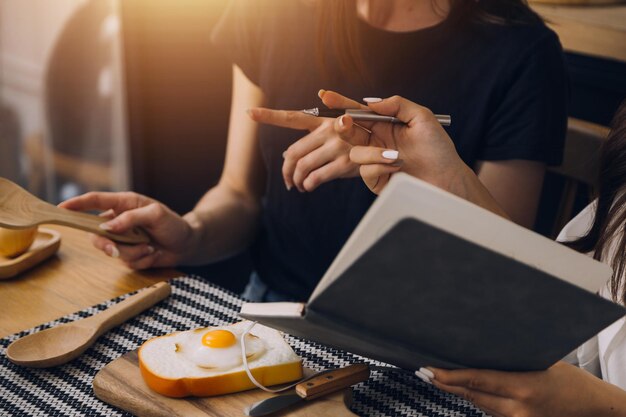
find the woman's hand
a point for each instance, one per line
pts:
(324, 153)
(171, 236)
(423, 148)
(563, 390)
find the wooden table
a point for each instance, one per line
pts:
(598, 31)
(79, 276)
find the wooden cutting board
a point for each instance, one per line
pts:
(120, 384)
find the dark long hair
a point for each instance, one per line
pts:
(337, 26)
(606, 239)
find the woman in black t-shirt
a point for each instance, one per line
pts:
(491, 64)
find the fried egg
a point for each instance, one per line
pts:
(217, 348)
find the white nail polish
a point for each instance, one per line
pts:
(108, 213)
(105, 227)
(113, 251)
(427, 372)
(372, 99)
(423, 377)
(390, 155)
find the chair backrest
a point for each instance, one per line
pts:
(581, 166)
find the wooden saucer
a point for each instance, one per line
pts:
(46, 244)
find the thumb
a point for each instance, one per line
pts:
(351, 132)
(401, 108)
(146, 217)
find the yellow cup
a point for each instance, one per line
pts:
(14, 242)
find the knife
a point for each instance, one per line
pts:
(316, 387)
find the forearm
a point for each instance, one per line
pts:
(469, 187)
(515, 185)
(225, 220)
(611, 403)
(223, 223)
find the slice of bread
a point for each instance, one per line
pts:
(180, 364)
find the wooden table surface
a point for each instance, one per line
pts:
(598, 31)
(79, 276)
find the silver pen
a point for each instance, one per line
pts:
(368, 115)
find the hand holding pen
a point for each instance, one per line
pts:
(420, 147)
(323, 154)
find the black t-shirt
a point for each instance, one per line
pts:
(505, 87)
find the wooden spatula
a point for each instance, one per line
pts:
(19, 210)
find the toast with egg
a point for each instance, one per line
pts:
(207, 361)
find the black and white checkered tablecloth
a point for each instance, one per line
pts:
(67, 391)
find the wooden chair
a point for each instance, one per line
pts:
(88, 174)
(580, 167)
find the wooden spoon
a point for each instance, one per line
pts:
(19, 210)
(61, 344)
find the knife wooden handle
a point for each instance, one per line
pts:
(333, 381)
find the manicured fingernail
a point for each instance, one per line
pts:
(105, 226)
(288, 186)
(108, 213)
(341, 122)
(423, 377)
(321, 93)
(112, 251)
(372, 99)
(150, 250)
(390, 155)
(427, 372)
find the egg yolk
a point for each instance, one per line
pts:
(218, 339)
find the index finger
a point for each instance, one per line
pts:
(292, 119)
(366, 155)
(403, 109)
(118, 202)
(492, 382)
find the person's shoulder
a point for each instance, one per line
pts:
(532, 35)
(518, 38)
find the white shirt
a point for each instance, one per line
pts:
(605, 354)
